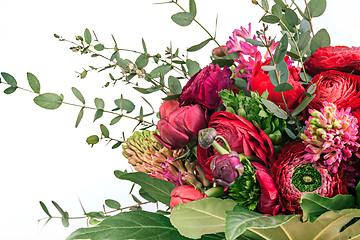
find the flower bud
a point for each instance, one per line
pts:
(226, 168)
(207, 137)
(184, 194)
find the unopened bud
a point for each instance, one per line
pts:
(207, 137)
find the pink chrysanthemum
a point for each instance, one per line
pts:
(331, 136)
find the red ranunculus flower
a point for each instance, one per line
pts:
(168, 107)
(204, 87)
(295, 176)
(242, 136)
(260, 82)
(181, 126)
(342, 89)
(184, 194)
(340, 58)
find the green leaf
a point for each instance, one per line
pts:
(156, 188)
(99, 103)
(274, 109)
(92, 140)
(174, 85)
(291, 17)
(144, 45)
(313, 205)
(270, 19)
(302, 105)
(112, 204)
(9, 79)
(98, 114)
(204, 216)
(321, 39)
(171, 97)
(116, 145)
(265, 5)
(87, 36)
(282, 70)
(130, 225)
(316, 8)
(276, 10)
(192, 66)
(125, 104)
(135, 199)
(304, 40)
(98, 215)
(142, 61)
(57, 206)
(183, 18)
(104, 131)
(280, 3)
(281, 49)
(79, 117)
(115, 120)
(48, 100)
(241, 219)
(146, 196)
(290, 133)
(65, 219)
(83, 74)
(99, 47)
(160, 70)
(78, 95)
(255, 42)
(10, 90)
(45, 209)
(223, 62)
(192, 7)
(199, 46)
(33, 82)
(148, 90)
(357, 190)
(268, 68)
(283, 87)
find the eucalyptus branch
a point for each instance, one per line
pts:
(292, 39)
(210, 35)
(85, 216)
(310, 18)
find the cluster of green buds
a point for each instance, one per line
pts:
(146, 154)
(253, 110)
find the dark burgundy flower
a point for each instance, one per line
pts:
(342, 89)
(242, 136)
(184, 194)
(294, 176)
(340, 58)
(181, 126)
(260, 82)
(204, 87)
(226, 168)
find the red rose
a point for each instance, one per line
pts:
(242, 136)
(184, 194)
(181, 126)
(204, 87)
(342, 89)
(294, 176)
(340, 58)
(260, 82)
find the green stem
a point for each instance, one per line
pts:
(220, 148)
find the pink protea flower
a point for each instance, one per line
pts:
(331, 136)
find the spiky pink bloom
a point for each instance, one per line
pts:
(331, 136)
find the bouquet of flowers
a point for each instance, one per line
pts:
(262, 143)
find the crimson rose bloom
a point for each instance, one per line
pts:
(204, 87)
(295, 176)
(342, 89)
(340, 58)
(184, 194)
(260, 82)
(242, 136)
(181, 126)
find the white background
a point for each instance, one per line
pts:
(42, 156)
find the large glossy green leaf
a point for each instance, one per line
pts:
(48, 100)
(329, 226)
(130, 225)
(205, 216)
(156, 188)
(241, 219)
(313, 205)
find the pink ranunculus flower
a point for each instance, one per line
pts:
(184, 194)
(168, 107)
(181, 126)
(204, 87)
